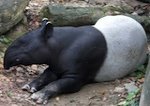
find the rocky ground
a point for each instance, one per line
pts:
(123, 92)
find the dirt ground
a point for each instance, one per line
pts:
(98, 94)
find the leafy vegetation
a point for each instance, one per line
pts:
(140, 72)
(131, 99)
(5, 40)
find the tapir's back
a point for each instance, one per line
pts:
(126, 43)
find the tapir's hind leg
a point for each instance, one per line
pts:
(45, 78)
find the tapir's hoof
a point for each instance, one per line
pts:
(40, 97)
(28, 88)
(32, 90)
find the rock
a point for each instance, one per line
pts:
(34, 67)
(144, 100)
(63, 15)
(19, 69)
(16, 31)
(119, 89)
(11, 12)
(131, 87)
(57, 98)
(68, 15)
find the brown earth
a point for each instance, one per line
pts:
(98, 94)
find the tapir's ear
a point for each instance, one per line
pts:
(48, 27)
(47, 30)
(44, 21)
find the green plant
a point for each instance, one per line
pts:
(140, 72)
(131, 99)
(5, 40)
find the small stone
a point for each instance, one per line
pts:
(27, 8)
(131, 87)
(34, 67)
(34, 4)
(20, 80)
(119, 89)
(134, 13)
(104, 98)
(116, 12)
(19, 69)
(57, 98)
(119, 95)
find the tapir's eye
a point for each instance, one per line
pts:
(17, 60)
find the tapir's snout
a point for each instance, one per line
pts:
(6, 64)
(6, 67)
(8, 60)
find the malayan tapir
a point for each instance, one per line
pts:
(112, 48)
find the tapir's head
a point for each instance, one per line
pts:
(30, 48)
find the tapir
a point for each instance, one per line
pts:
(112, 48)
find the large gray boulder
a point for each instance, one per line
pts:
(11, 12)
(66, 15)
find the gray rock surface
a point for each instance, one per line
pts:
(145, 96)
(63, 15)
(11, 12)
(69, 15)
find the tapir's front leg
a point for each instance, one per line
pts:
(65, 85)
(45, 78)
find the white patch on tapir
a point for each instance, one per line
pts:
(126, 43)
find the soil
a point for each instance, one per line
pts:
(98, 94)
